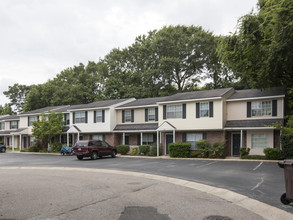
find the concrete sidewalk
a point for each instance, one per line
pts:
(84, 193)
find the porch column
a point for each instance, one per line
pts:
(241, 138)
(67, 138)
(141, 138)
(13, 143)
(123, 138)
(20, 142)
(77, 136)
(158, 144)
(174, 136)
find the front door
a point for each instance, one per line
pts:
(169, 140)
(24, 142)
(235, 144)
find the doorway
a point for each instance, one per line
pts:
(169, 139)
(236, 144)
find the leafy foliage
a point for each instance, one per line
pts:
(272, 153)
(244, 152)
(6, 110)
(123, 149)
(144, 149)
(179, 149)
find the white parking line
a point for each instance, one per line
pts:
(258, 166)
(258, 184)
(207, 164)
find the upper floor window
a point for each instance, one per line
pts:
(14, 125)
(99, 116)
(261, 108)
(79, 117)
(128, 115)
(2, 126)
(31, 119)
(66, 119)
(151, 114)
(204, 109)
(174, 111)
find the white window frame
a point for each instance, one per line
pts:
(204, 109)
(31, 119)
(14, 125)
(2, 126)
(127, 116)
(151, 114)
(147, 139)
(98, 137)
(174, 111)
(193, 138)
(259, 141)
(79, 117)
(99, 116)
(261, 108)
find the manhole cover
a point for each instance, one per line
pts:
(142, 213)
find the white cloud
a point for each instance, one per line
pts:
(39, 38)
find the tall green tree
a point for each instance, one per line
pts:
(17, 94)
(6, 110)
(48, 127)
(261, 49)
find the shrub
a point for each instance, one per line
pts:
(123, 149)
(244, 152)
(153, 150)
(24, 150)
(202, 144)
(272, 153)
(195, 153)
(179, 149)
(219, 149)
(34, 148)
(56, 147)
(206, 152)
(144, 149)
(134, 151)
(254, 157)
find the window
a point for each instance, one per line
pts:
(151, 114)
(31, 119)
(174, 111)
(127, 115)
(261, 108)
(66, 119)
(2, 126)
(193, 139)
(259, 141)
(98, 137)
(80, 117)
(31, 140)
(14, 125)
(147, 139)
(99, 116)
(204, 109)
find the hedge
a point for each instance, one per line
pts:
(123, 149)
(272, 153)
(144, 149)
(179, 149)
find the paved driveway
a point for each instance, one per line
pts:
(263, 181)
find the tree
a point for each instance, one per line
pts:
(261, 49)
(17, 94)
(48, 127)
(6, 110)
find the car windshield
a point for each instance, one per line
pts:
(81, 143)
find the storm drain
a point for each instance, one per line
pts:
(216, 217)
(142, 213)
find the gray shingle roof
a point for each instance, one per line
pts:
(253, 93)
(9, 117)
(136, 127)
(61, 108)
(203, 94)
(144, 102)
(98, 104)
(252, 123)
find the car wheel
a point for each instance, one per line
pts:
(3, 150)
(79, 157)
(113, 154)
(94, 155)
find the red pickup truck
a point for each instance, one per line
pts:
(93, 149)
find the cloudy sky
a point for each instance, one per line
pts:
(40, 38)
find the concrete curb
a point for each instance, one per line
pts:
(264, 210)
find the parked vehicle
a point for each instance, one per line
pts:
(66, 150)
(93, 149)
(2, 148)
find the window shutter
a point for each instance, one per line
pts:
(156, 114)
(123, 113)
(28, 121)
(184, 110)
(164, 111)
(183, 137)
(73, 117)
(204, 135)
(86, 117)
(197, 110)
(103, 115)
(155, 138)
(211, 109)
(95, 117)
(91, 137)
(10, 125)
(274, 113)
(132, 115)
(146, 111)
(248, 109)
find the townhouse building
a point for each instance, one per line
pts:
(242, 118)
